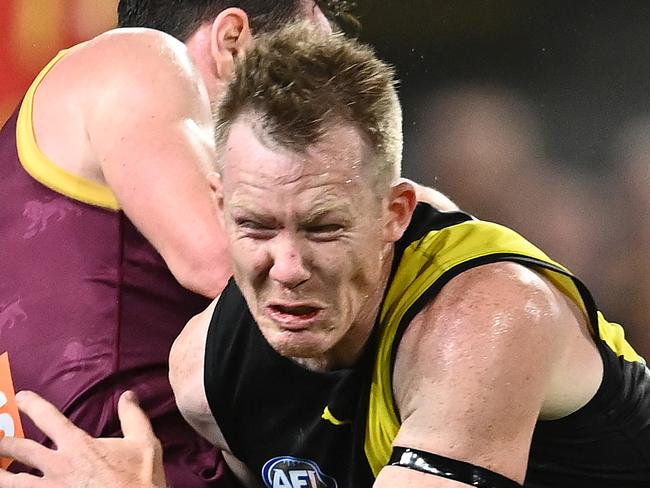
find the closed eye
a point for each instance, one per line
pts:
(255, 230)
(250, 224)
(324, 231)
(324, 228)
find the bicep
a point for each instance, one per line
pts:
(474, 388)
(151, 131)
(392, 476)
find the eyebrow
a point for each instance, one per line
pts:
(325, 209)
(241, 211)
(320, 210)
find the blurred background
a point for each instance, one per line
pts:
(531, 113)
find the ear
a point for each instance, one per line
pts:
(216, 193)
(230, 36)
(401, 204)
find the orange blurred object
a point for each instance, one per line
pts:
(9, 418)
(33, 31)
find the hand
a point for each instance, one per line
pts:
(134, 461)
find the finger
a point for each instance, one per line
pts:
(133, 420)
(26, 451)
(47, 418)
(20, 480)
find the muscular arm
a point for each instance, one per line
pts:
(497, 349)
(186, 366)
(149, 126)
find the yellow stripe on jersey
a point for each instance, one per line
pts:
(329, 416)
(422, 264)
(42, 169)
(614, 337)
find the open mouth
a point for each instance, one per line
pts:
(294, 314)
(299, 310)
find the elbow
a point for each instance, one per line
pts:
(206, 283)
(205, 278)
(201, 264)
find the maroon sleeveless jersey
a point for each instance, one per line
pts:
(88, 308)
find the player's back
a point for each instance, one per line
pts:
(88, 308)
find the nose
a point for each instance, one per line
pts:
(289, 266)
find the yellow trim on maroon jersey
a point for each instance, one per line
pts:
(424, 262)
(42, 169)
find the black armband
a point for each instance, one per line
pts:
(452, 469)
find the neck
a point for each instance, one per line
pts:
(348, 351)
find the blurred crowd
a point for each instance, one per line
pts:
(484, 146)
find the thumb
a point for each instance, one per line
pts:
(133, 420)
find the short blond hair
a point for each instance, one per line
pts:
(299, 82)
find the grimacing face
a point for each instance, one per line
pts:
(309, 240)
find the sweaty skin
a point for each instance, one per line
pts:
(136, 104)
(530, 355)
(483, 321)
(527, 347)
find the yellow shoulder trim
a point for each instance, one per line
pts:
(327, 415)
(42, 169)
(614, 336)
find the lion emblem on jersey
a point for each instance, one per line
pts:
(40, 213)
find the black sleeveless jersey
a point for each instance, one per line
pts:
(299, 428)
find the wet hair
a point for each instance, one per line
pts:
(180, 18)
(297, 83)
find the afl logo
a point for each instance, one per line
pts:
(291, 472)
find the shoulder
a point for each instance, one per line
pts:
(123, 46)
(491, 342)
(488, 319)
(501, 288)
(133, 65)
(124, 63)
(499, 348)
(140, 80)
